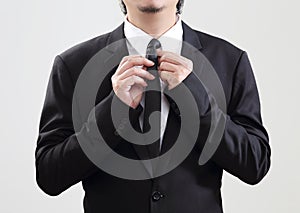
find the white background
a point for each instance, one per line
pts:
(33, 32)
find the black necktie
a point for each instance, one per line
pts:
(153, 97)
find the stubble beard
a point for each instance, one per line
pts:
(150, 9)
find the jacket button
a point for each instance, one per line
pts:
(156, 196)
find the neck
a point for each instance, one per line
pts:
(153, 24)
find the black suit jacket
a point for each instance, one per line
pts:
(190, 188)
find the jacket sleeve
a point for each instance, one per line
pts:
(60, 160)
(244, 149)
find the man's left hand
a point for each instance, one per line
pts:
(173, 68)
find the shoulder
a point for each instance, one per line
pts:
(75, 58)
(217, 44)
(213, 47)
(85, 50)
(222, 54)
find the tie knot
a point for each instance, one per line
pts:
(153, 45)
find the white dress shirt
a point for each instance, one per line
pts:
(137, 41)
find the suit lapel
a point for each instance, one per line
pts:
(191, 42)
(190, 46)
(116, 48)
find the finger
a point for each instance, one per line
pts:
(167, 66)
(168, 56)
(125, 58)
(173, 58)
(137, 94)
(169, 78)
(132, 80)
(165, 76)
(138, 72)
(134, 61)
(161, 53)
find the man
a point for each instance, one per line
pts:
(189, 187)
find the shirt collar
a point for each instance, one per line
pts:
(138, 39)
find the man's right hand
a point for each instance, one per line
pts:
(128, 82)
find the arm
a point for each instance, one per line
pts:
(60, 161)
(244, 150)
